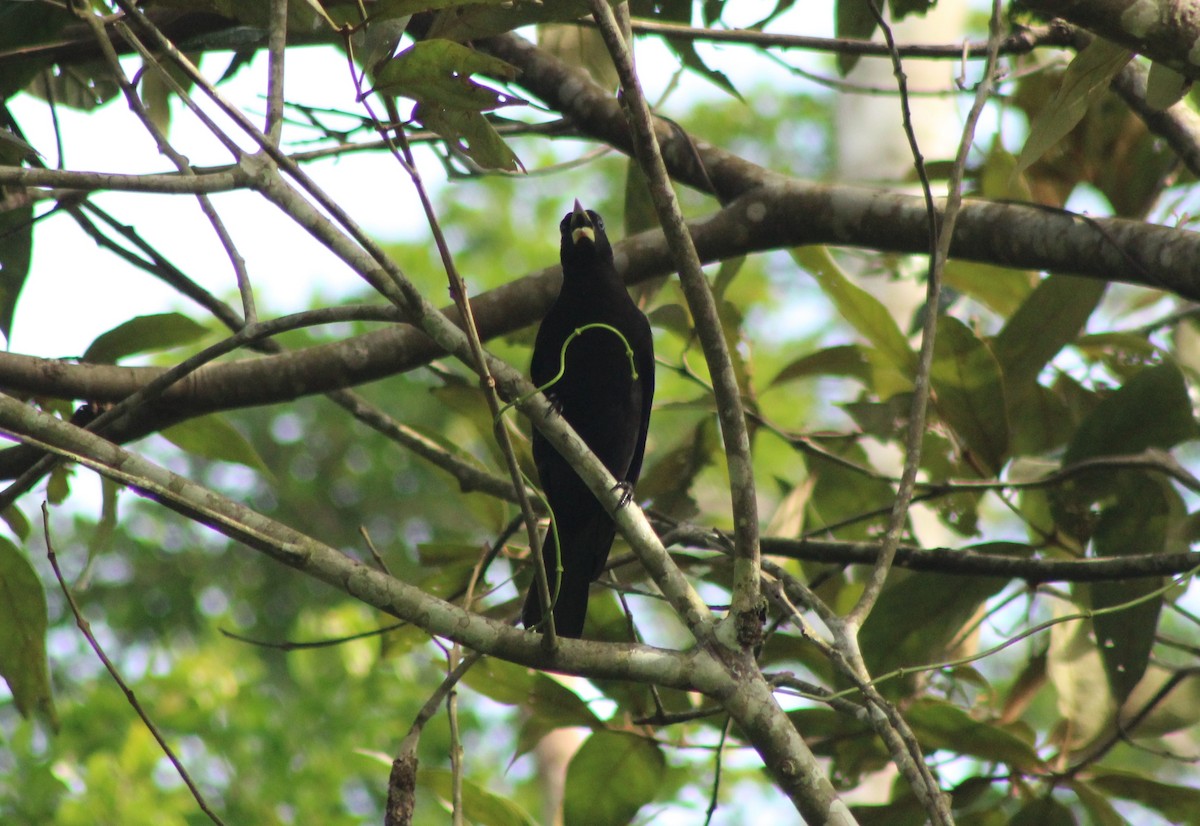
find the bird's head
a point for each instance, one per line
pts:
(583, 236)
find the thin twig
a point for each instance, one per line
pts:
(86, 629)
(746, 600)
(920, 394)
(717, 765)
(1018, 43)
(238, 263)
(404, 766)
(459, 292)
(276, 51)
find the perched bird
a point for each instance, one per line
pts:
(599, 395)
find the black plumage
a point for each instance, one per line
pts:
(599, 396)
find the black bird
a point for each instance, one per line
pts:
(600, 397)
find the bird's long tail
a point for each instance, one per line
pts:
(584, 553)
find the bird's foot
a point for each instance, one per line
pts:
(626, 490)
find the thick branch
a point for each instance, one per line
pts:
(1012, 235)
(1165, 30)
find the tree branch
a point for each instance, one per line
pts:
(1165, 30)
(951, 561)
(690, 671)
(1013, 235)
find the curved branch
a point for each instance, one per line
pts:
(1011, 235)
(690, 671)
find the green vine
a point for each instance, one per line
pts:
(562, 369)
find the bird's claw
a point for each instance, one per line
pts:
(626, 490)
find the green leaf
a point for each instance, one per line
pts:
(516, 685)
(1178, 804)
(852, 19)
(212, 437)
(471, 134)
(999, 288)
(88, 86)
(16, 251)
(144, 334)
(1165, 87)
(58, 486)
(16, 521)
(1126, 638)
(1045, 811)
(23, 641)
(475, 20)
(896, 636)
(903, 8)
(101, 537)
(1124, 354)
(1137, 523)
(842, 360)
(905, 810)
(1086, 78)
(1051, 317)
(867, 315)
(388, 9)
(1122, 424)
(883, 420)
(584, 48)
(940, 725)
(842, 493)
(639, 206)
(22, 25)
(969, 393)
(613, 774)
(438, 73)
(1096, 804)
(479, 805)
(669, 480)
(685, 50)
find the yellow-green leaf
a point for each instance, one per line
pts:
(892, 357)
(611, 777)
(471, 134)
(479, 805)
(1085, 79)
(438, 73)
(214, 438)
(143, 334)
(23, 640)
(969, 393)
(1165, 87)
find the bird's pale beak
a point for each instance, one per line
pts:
(581, 225)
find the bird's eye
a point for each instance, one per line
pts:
(597, 221)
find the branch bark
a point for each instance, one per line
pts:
(1165, 30)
